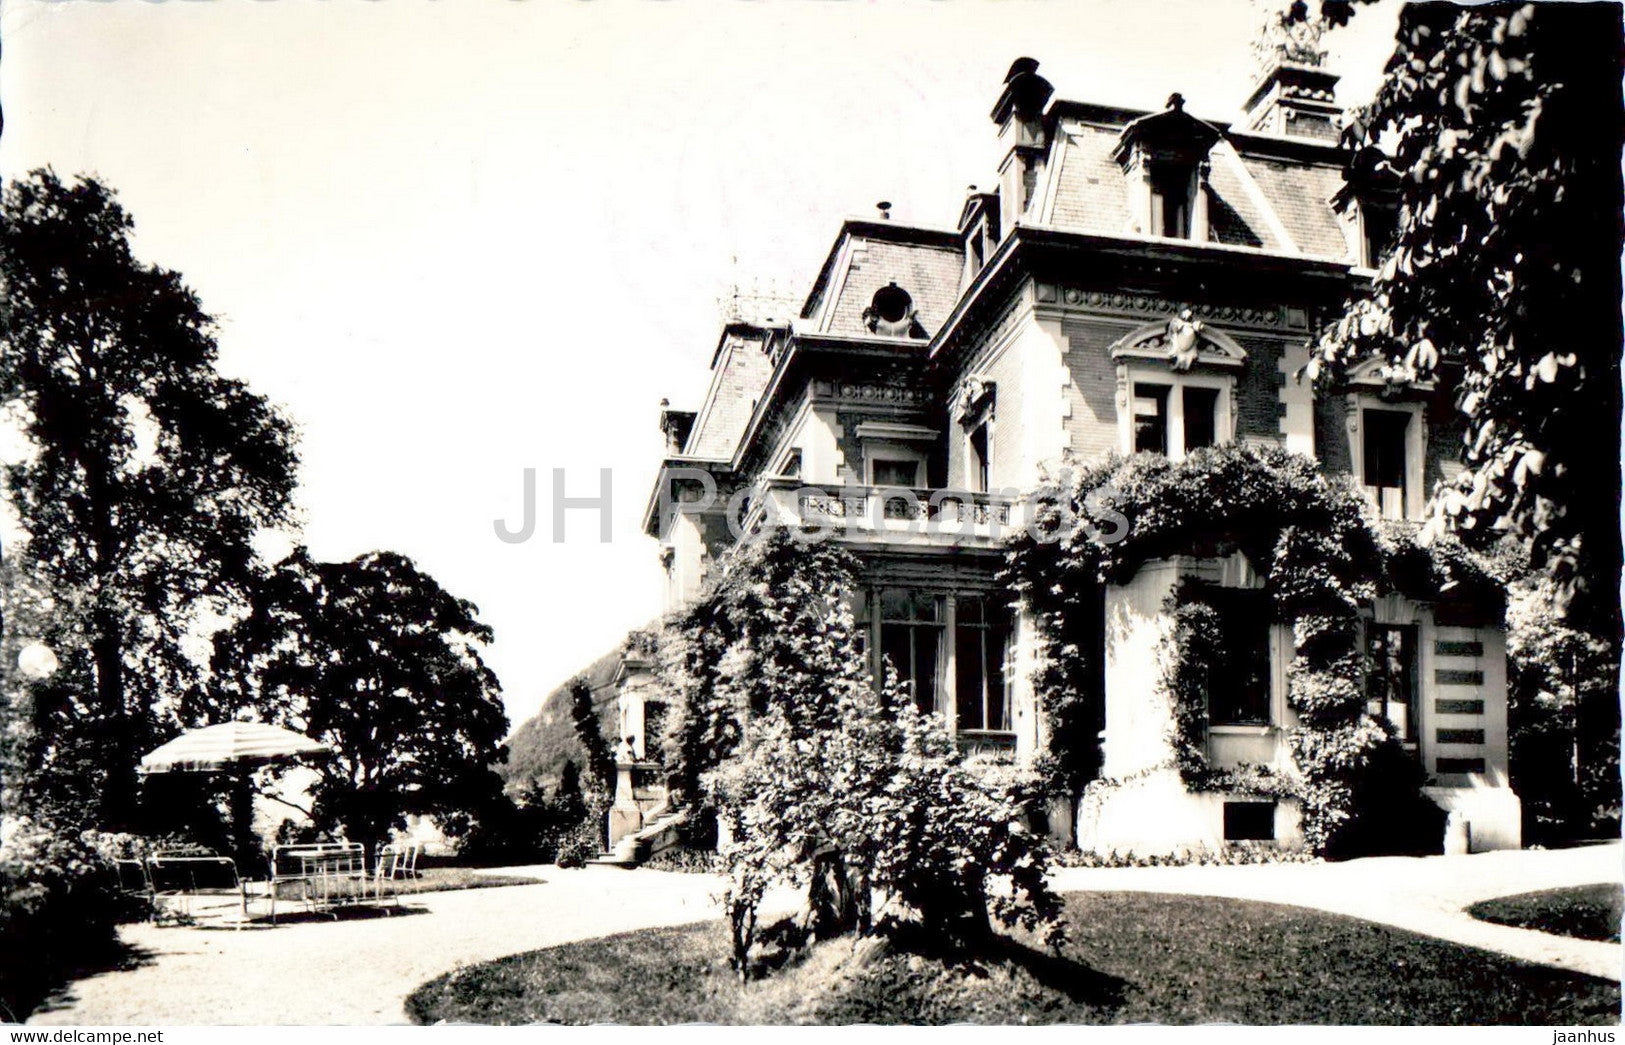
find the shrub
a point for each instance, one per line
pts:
(59, 903)
(850, 792)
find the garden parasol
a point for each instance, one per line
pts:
(235, 748)
(230, 745)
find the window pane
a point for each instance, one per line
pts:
(894, 603)
(1381, 225)
(1239, 676)
(1171, 191)
(1391, 676)
(970, 680)
(1201, 408)
(927, 606)
(895, 473)
(998, 689)
(1150, 418)
(1384, 448)
(926, 652)
(897, 652)
(977, 465)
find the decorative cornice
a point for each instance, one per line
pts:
(1130, 303)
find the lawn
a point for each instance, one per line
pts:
(1586, 912)
(452, 879)
(1133, 958)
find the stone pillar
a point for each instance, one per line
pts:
(625, 815)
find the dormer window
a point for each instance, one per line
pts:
(1379, 226)
(1368, 203)
(1164, 157)
(1171, 191)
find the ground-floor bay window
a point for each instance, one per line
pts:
(949, 651)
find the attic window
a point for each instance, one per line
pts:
(1171, 197)
(1379, 226)
(891, 314)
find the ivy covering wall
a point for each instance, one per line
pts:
(1322, 556)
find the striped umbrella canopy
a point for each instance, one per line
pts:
(228, 745)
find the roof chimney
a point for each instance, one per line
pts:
(1019, 114)
(884, 207)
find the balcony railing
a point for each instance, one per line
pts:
(892, 514)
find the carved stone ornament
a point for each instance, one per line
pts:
(1182, 342)
(975, 395)
(1184, 348)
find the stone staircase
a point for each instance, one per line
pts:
(658, 834)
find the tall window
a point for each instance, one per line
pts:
(981, 641)
(976, 458)
(1390, 675)
(1201, 416)
(1150, 418)
(1238, 690)
(911, 626)
(1384, 437)
(1171, 201)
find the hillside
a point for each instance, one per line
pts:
(544, 742)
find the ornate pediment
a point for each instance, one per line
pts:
(1389, 379)
(1183, 342)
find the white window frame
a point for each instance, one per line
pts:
(1415, 451)
(1224, 419)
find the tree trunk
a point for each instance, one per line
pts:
(119, 787)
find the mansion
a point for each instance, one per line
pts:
(1134, 283)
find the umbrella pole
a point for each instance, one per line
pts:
(245, 852)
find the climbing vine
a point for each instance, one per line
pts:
(1321, 555)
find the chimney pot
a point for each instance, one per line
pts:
(884, 207)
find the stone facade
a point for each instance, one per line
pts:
(1138, 282)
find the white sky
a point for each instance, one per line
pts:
(456, 241)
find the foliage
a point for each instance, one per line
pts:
(755, 633)
(1499, 126)
(375, 658)
(1563, 717)
(590, 731)
(1321, 556)
(147, 477)
(847, 791)
(59, 902)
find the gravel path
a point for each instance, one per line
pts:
(360, 971)
(1426, 895)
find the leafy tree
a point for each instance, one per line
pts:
(375, 658)
(149, 473)
(1501, 127)
(1563, 716)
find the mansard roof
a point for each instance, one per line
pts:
(1268, 193)
(924, 262)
